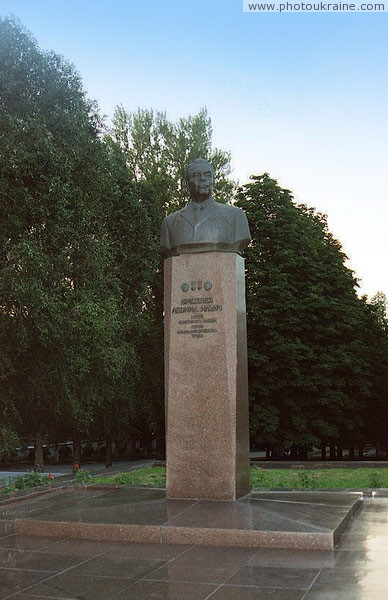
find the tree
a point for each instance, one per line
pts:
(375, 341)
(69, 227)
(306, 365)
(157, 152)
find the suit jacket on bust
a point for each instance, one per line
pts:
(206, 227)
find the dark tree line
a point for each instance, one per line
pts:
(317, 353)
(81, 292)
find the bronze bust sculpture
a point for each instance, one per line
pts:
(204, 225)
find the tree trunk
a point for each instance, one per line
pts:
(360, 452)
(161, 446)
(303, 453)
(323, 451)
(339, 453)
(108, 453)
(146, 444)
(332, 452)
(351, 453)
(76, 452)
(38, 452)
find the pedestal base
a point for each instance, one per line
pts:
(206, 377)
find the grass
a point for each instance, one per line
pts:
(339, 478)
(147, 477)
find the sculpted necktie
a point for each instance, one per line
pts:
(197, 212)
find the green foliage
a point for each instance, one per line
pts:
(82, 476)
(308, 362)
(9, 441)
(158, 151)
(75, 251)
(30, 480)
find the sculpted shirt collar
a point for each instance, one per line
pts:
(197, 212)
(195, 206)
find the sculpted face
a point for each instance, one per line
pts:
(200, 180)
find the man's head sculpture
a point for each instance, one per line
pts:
(200, 179)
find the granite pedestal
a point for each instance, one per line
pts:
(206, 377)
(299, 520)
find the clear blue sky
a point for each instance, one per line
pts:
(301, 96)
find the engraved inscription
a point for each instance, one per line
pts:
(198, 322)
(198, 326)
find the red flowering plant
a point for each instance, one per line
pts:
(81, 475)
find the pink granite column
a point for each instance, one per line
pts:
(206, 376)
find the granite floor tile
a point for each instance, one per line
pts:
(40, 504)
(138, 506)
(263, 514)
(116, 566)
(375, 506)
(155, 551)
(226, 592)
(38, 561)
(26, 597)
(166, 590)
(274, 577)
(6, 528)
(204, 564)
(78, 547)
(365, 528)
(153, 512)
(25, 542)
(76, 587)
(300, 559)
(375, 516)
(357, 541)
(91, 504)
(12, 580)
(348, 584)
(359, 559)
(345, 594)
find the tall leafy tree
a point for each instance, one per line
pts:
(69, 227)
(375, 337)
(306, 365)
(157, 152)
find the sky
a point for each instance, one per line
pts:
(301, 96)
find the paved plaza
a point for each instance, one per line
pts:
(33, 567)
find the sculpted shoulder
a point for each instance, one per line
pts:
(170, 218)
(230, 208)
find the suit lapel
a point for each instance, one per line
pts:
(187, 213)
(200, 216)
